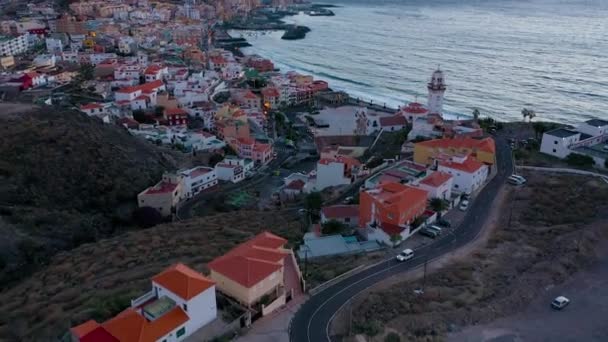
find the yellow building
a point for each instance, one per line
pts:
(484, 150)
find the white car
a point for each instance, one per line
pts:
(560, 302)
(464, 205)
(406, 254)
(516, 180)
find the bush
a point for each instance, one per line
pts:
(334, 227)
(575, 159)
(370, 328)
(392, 337)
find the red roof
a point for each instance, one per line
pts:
(485, 144)
(250, 95)
(252, 261)
(91, 106)
(262, 147)
(146, 87)
(100, 334)
(340, 211)
(415, 108)
(153, 70)
(270, 92)
(175, 111)
(391, 229)
(297, 184)
(470, 165)
(130, 326)
(183, 281)
(436, 179)
(84, 328)
(217, 60)
(395, 120)
(160, 188)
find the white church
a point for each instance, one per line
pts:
(424, 120)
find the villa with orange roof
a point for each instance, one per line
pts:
(483, 150)
(164, 196)
(181, 302)
(469, 174)
(389, 209)
(438, 184)
(260, 269)
(139, 97)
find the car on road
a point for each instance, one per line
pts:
(435, 228)
(443, 223)
(560, 302)
(406, 254)
(429, 232)
(464, 205)
(516, 180)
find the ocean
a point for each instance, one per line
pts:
(498, 56)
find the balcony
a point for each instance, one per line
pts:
(137, 302)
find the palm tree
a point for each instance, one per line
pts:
(531, 115)
(528, 113)
(476, 114)
(438, 205)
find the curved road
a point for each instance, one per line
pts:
(311, 322)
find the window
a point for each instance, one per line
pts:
(181, 332)
(555, 142)
(185, 306)
(554, 151)
(456, 186)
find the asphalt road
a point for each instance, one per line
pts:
(311, 322)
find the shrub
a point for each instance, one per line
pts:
(147, 217)
(334, 227)
(575, 159)
(369, 328)
(392, 337)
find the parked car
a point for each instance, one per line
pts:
(560, 302)
(429, 232)
(443, 223)
(435, 228)
(406, 254)
(516, 180)
(464, 205)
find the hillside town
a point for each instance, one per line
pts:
(166, 73)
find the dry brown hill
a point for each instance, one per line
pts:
(98, 280)
(65, 179)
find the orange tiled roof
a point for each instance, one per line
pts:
(397, 194)
(146, 87)
(84, 328)
(183, 281)
(252, 261)
(470, 165)
(130, 326)
(436, 179)
(485, 144)
(91, 106)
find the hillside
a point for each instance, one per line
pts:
(65, 179)
(98, 280)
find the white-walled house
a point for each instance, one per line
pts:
(347, 214)
(589, 138)
(438, 184)
(468, 174)
(181, 302)
(139, 97)
(558, 141)
(198, 179)
(228, 172)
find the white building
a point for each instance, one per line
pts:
(335, 172)
(139, 97)
(230, 173)
(198, 179)
(127, 45)
(10, 46)
(181, 302)
(436, 88)
(246, 164)
(468, 174)
(438, 184)
(54, 46)
(590, 138)
(558, 141)
(45, 60)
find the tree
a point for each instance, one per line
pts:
(580, 160)
(140, 116)
(146, 217)
(333, 227)
(86, 72)
(528, 113)
(396, 239)
(215, 158)
(438, 205)
(314, 201)
(539, 129)
(392, 337)
(229, 150)
(476, 114)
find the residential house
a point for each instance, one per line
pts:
(483, 150)
(393, 123)
(333, 172)
(468, 174)
(139, 97)
(271, 97)
(438, 185)
(198, 179)
(181, 302)
(176, 116)
(229, 172)
(347, 214)
(413, 111)
(387, 212)
(258, 269)
(164, 196)
(589, 138)
(155, 73)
